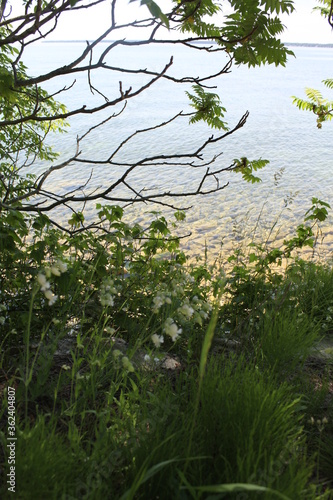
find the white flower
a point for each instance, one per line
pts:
(160, 299)
(53, 300)
(62, 266)
(157, 339)
(55, 270)
(49, 295)
(158, 302)
(107, 289)
(146, 357)
(186, 310)
(108, 286)
(171, 329)
(44, 284)
(177, 290)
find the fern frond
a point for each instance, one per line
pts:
(247, 167)
(314, 95)
(278, 6)
(208, 108)
(329, 83)
(302, 104)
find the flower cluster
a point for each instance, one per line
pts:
(170, 328)
(107, 292)
(186, 310)
(180, 309)
(157, 340)
(42, 278)
(160, 299)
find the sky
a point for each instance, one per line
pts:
(302, 26)
(306, 26)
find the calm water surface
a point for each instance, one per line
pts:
(300, 155)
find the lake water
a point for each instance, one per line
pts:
(300, 155)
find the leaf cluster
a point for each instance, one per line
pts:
(324, 7)
(208, 108)
(316, 103)
(251, 33)
(247, 167)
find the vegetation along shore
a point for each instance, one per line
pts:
(132, 366)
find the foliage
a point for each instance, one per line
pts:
(208, 108)
(316, 103)
(321, 107)
(276, 304)
(155, 11)
(249, 32)
(244, 409)
(23, 141)
(90, 313)
(323, 8)
(246, 168)
(254, 29)
(85, 327)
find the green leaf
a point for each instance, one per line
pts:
(180, 215)
(208, 339)
(6, 85)
(329, 83)
(252, 257)
(76, 220)
(160, 225)
(155, 11)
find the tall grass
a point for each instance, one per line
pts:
(99, 416)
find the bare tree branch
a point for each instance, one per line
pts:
(2, 8)
(32, 111)
(128, 94)
(44, 205)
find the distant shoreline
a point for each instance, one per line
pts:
(289, 44)
(319, 45)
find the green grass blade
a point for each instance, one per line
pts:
(230, 488)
